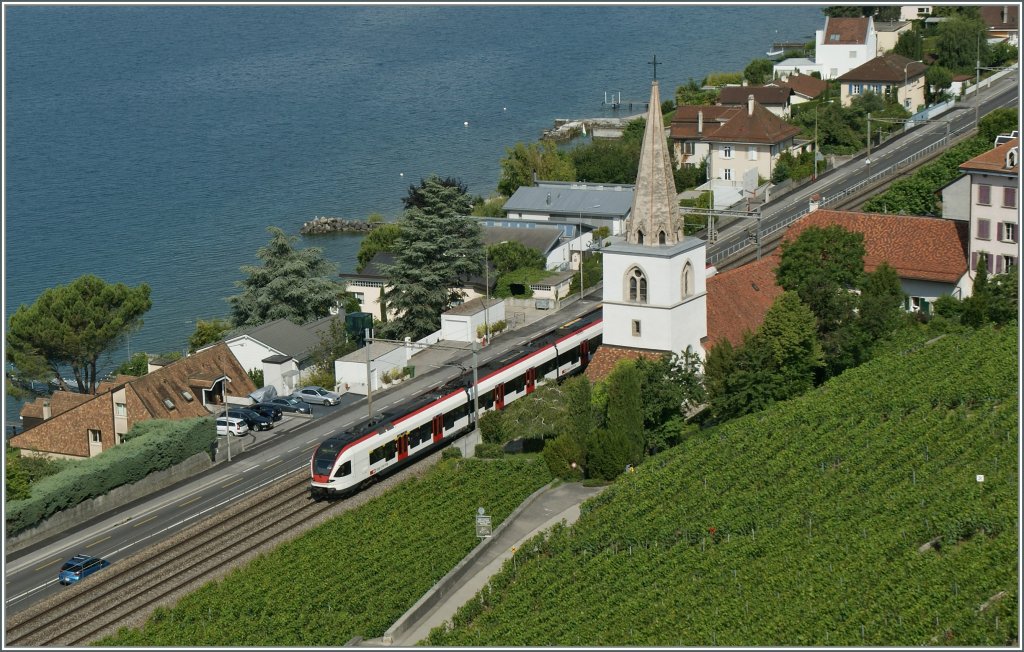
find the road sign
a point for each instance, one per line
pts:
(483, 524)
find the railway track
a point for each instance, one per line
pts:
(127, 592)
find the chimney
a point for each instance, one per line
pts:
(750, 105)
(46, 410)
(700, 122)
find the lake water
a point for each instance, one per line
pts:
(155, 144)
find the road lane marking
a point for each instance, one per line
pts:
(254, 466)
(292, 450)
(228, 484)
(93, 543)
(274, 463)
(189, 502)
(48, 564)
(138, 523)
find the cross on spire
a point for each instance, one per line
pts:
(654, 62)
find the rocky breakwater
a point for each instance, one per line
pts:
(325, 224)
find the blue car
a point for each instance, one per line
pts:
(79, 567)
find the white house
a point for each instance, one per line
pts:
(844, 44)
(460, 324)
(595, 204)
(281, 349)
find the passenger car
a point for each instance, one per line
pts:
(290, 404)
(79, 567)
(319, 395)
(253, 419)
(236, 427)
(269, 410)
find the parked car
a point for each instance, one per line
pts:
(80, 567)
(252, 418)
(272, 412)
(235, 426)
(319, 395)
(290, 404)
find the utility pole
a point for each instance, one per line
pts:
(977, 83)
(369, 389)
(869, 136)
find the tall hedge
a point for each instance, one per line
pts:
(149, 446)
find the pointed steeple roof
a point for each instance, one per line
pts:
(652, 220)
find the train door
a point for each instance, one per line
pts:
(438, 427)
(499, 396)
(584, 352)
(531, 380)
(403, 446)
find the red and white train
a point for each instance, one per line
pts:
(350, 460)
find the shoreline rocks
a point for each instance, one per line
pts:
(324, 224)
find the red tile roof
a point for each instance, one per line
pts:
(850, 31)
(923, 248)
(607, 356)
(764, 95)
(684, 122)
(994, 160)
(887, 68)
(805, 85)
(760, 126)
(738, 300)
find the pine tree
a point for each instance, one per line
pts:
(438, 249)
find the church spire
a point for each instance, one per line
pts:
(653, 218)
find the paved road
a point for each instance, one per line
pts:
(31, 574)
(776, 214)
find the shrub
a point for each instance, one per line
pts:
(451, 453)
(492, 427)
(489, 451)
(149, 446)
(561, 454)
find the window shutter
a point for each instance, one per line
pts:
(974, 261)
(983, 227)
(1010, 197)
(999, 264)
(984, 194)
(990, 259)
(925, 307)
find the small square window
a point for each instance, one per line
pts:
(727, 151)
(95, 436)
(727, 174)
(120, 410)
(636, 328)
(1009, 232)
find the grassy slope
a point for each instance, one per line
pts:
(354, 575)
(818, 508)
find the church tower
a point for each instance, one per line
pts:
(654, 282)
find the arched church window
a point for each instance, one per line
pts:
(687, 284)
(661, 237)
(637, 282)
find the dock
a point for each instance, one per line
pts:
(567, 129)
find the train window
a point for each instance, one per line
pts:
(547, 367)
(376, 455)
(419, 435)
(487, 400)
(389, 450)
(517, 384)
(344, 469)
(455, 414)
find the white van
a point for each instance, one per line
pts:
(235, 426)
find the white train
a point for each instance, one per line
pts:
(350, 460)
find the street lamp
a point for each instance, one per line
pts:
(906, 91)
(227, 424)
(814, 173)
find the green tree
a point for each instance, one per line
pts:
(208, 332)
(256, 376)
(910, 44)
(295, 284)
(1003, 54)
(881, 303)
(789, 333)
(607, 161)
(692, 93)
(137, 365)
(381, 238)
(73, 325)
(758, 71)
(999, 121)
(887, 13)
(937, 81)
(959, 42)
(522, 161)
(510, 256)
(670, 387)
(334, 343)
(439, 246)
(625, 411)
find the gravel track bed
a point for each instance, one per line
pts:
(305, 515)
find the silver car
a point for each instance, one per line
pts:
(317, 395)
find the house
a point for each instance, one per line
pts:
(368, 285)
(775, 98)
(927, 253)
(86, 425)
(795, 66)
(986, 198)
(1002, 21)
(595, 204)
(281, 349)
(737, 140)
(844, 44)
(915, 12)
(892, 75)
(805, 87)
(887, 33)
(960, 83)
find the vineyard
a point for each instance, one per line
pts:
(354, 575)
(855, 515)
